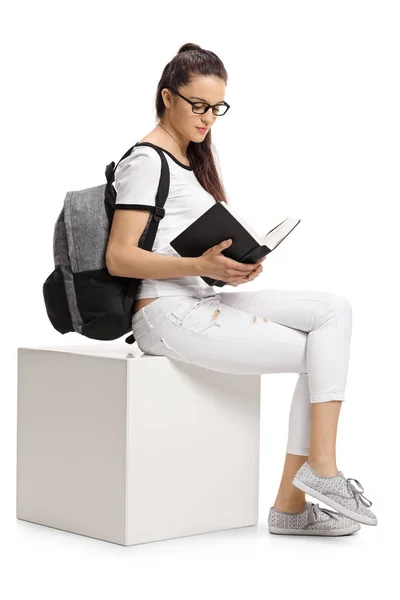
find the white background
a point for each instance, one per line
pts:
(313, 132)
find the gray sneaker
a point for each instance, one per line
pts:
(337, 492)
(312, 520)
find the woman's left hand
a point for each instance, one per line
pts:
(252, 275)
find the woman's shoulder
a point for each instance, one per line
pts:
(141, 159)
(159, 143)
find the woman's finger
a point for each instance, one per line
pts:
(239, 280)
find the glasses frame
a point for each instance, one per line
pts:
(198, 102)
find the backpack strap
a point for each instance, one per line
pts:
(110, 193)
(161, 197)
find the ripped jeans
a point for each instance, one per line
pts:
(257, 332)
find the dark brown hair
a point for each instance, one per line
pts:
(192, 60)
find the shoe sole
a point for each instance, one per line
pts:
(325, 532)
(341, 509)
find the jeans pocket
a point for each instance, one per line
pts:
(197, 317)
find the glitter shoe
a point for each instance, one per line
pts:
(312, 520)
(337, 492)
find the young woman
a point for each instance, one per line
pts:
(176, 314)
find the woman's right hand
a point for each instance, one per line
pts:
(214, 264)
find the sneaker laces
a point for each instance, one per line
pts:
(313, 509)
(357, 493)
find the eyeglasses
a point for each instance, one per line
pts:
(200, 108)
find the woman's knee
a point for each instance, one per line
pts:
(340, 305)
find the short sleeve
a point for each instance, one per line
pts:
(136, 179)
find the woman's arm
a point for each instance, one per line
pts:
(142, 264)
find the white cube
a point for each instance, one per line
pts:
(130, 448)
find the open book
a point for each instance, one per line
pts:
(220, 223)
(274, 237)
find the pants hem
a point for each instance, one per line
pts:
(327, 397)
(298, 451)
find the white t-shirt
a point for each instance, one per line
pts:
(136, 182)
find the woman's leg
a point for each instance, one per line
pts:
(265, 331)
(324, 422)
(322, 456)
(322, 419)
(289, 497)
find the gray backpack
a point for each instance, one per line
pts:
(80, 294)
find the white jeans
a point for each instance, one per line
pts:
(256, 332)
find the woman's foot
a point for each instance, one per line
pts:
(312, 520)
(326, 469)
(289, 507)
(336, 491)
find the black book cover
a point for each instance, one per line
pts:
(211, 228)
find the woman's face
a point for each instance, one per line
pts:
(203, 89)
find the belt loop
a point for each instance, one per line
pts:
(145, 316)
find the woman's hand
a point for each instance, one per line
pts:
(252, 275)
(214, 264)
